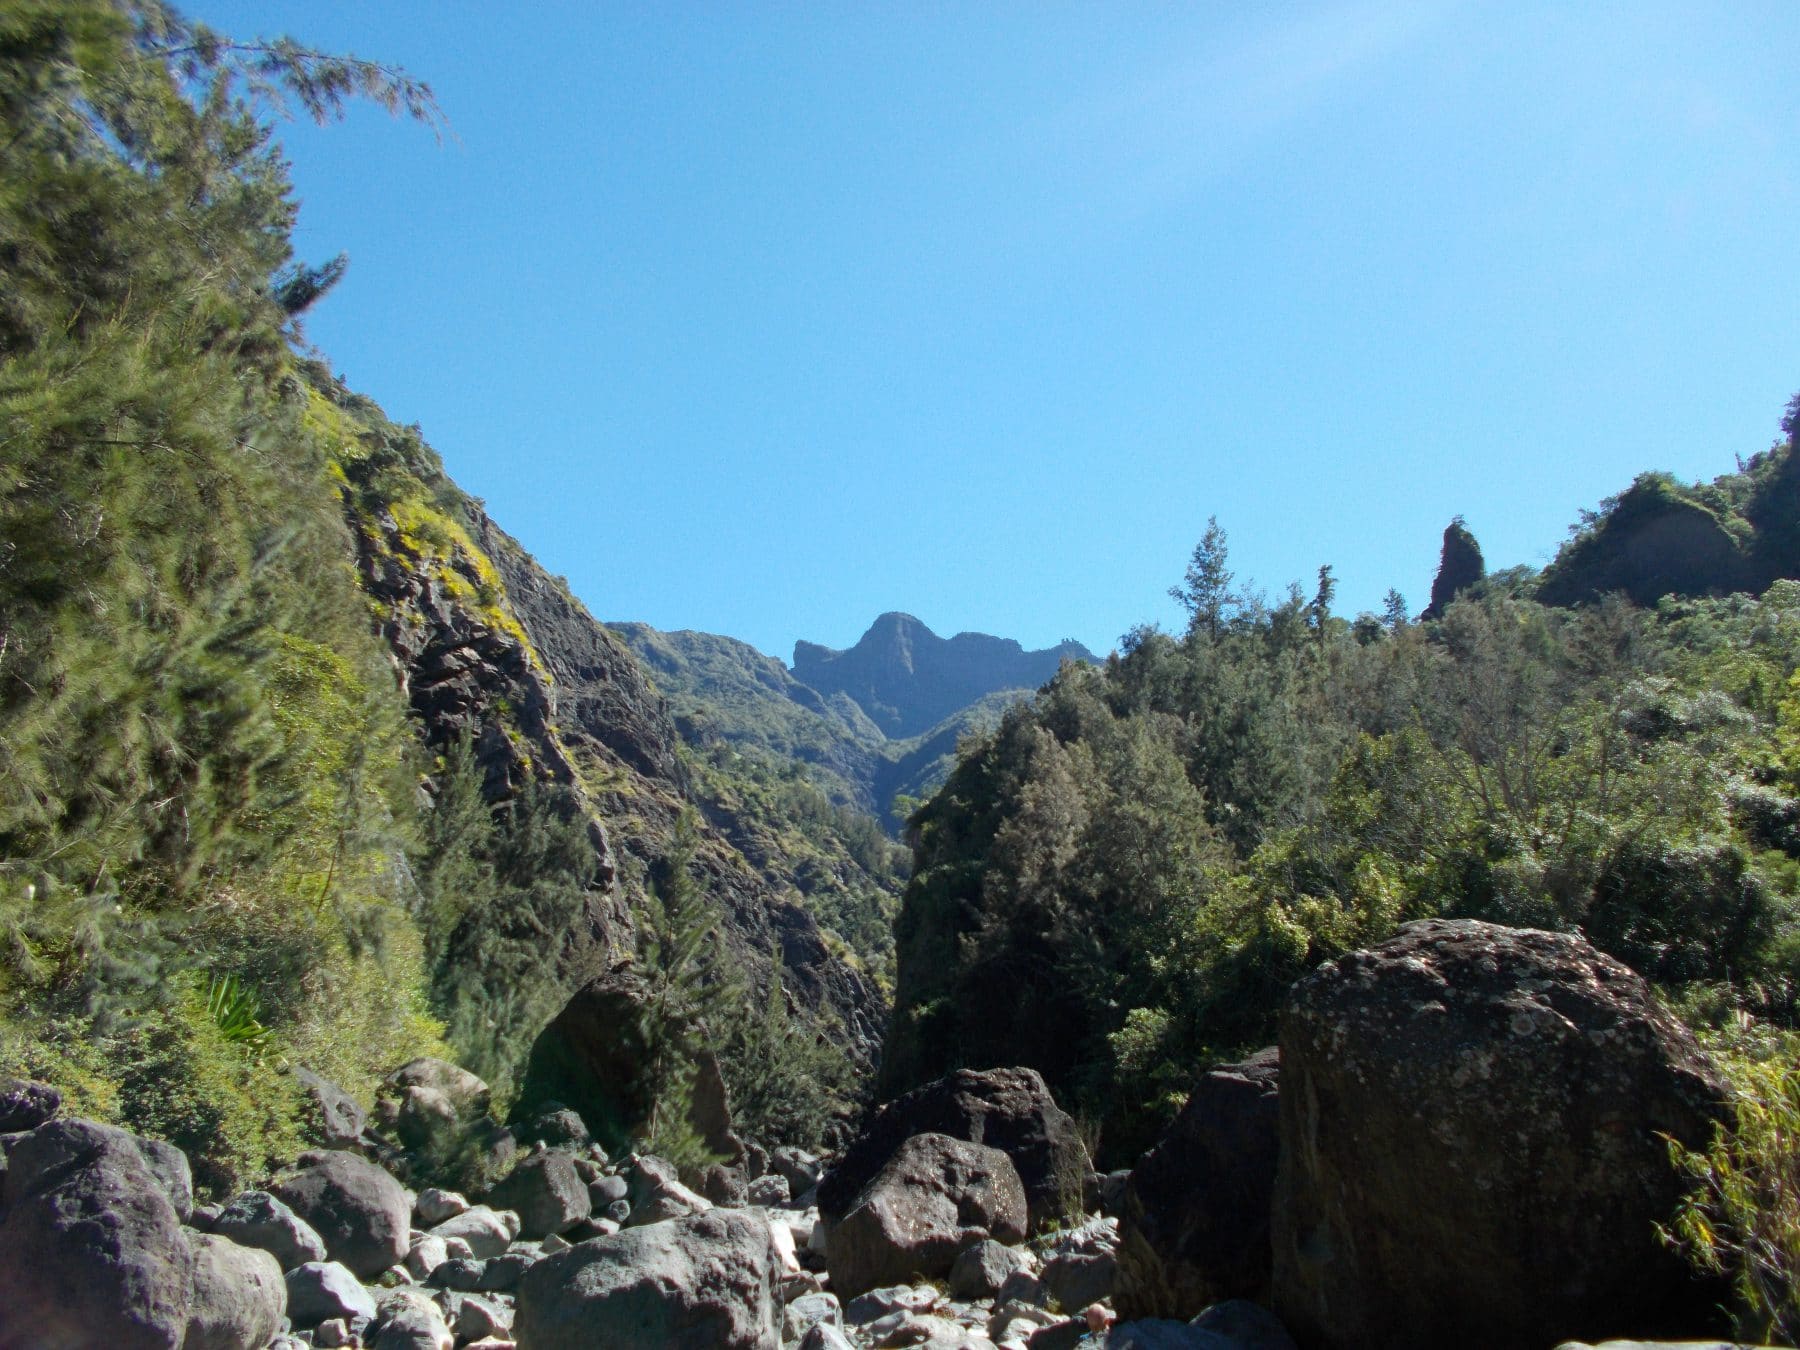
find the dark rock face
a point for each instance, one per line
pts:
(240, 1298)
(359, 1210)
(1007, 1109)
(934, 1196)
(908, 679)
(1471, 1151)
(91, 1251)
(1460, 566)
(546, 1192)
(1195, 1222)
(706, 1282)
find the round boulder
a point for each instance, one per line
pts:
(360, 1211)
(1473, 1124)
(240, 1298)
(546, 1192)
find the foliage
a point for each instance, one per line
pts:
(789, 1081)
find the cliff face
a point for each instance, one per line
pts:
(907, 679)
(489, 646)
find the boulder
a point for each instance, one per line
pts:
(656, 1193)
(333, 1117)
(704, 1282)
(258, 1219)
(546, 1192)
(1007, 1109)
(169, 1165)
(485, 1230)
(477, 1317)
(769, 1190)
(1473, 1124)
(91, 1251)
(427, 1253)
(321, 1290)
(592, 1058)
(25, 1104)
(407, 1319)
(362, 1213)
(426, 1103)
(1194, 1226)
(983, 1267)
(724, 1185)
(807, 1311)
(240, 1298)
(800, 1168)
(435, 1205)
(934, 1196)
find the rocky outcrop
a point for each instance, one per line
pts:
(1007, 1109)
(707, 1282)
(1473, 1124)
(1195, 1222)
(934, 1196)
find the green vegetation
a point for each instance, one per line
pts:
(1118, 884)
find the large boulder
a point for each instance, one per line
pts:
(427, 1103)
(258, 1219)
(92, 1252)
(1473, 1146)
(1007, 1109)
(593, 1058)
(240, 1298)
(333, 1118)
(705, 1282)
(547, 1194)
(321, 1291)
(360, 1211)
(1195, 1222)
(25, 1104)
(935, 1196)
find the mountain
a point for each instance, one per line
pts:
(907, 679)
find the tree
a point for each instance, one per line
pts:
(1322, 598)
(1205, 592)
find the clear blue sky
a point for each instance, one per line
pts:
(765, 318)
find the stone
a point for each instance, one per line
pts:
(656, 1193)
(556, 1126)
(703, 1282)
(483, 1229)
(606, 1190)
(932, 1198)
(1007, 1109)
(333, 1117)
(458, 1273)
(25, 1104)
(407, 1319)
(1248, 1326)
(501, 1274)
(546, 1192)
(799, 1168)
(240, 1298)
(1194, 1224)
(321, 1290)
(204, 1217)
(825, 1337)
(770, 1190)
(426, 1102)
(434, 1206)
(1080, 1274)
(725, 1185)
(360, 1211)
(92, 1252)
(870, 1307)
(1112, 1190)
(258, 1219)
(982, 1268)
(804, 1313)
(169, 1165)
(427, 1253)
(1472, 1146)
(477, 1317)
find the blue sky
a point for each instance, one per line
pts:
(765, 318)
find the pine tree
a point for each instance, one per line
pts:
(1205, 592)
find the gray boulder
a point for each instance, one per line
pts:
(321, 1290)
(823, 1336)
(407, 1319)
(483, 1228)
(362, 1213)
(1473, 1124)
(807, 1311)
(546, 1192)
(333, 1117)
(1007, 1109)
(800, 1168)
(656, 1193)
(934, 1196)
(704, 1282)
(258, 1219)
(769, 1190)
(435, 1205)
(1194, 1227)
(426, 1102)
(240, 1298)
(478, 1317)
(25, 1104)
(169, 1165)
(982, 1268)
(725, 1185)
(91, 1251)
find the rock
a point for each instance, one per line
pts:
(91, 1251)
(407, 1319)
(321, 1290)
(656, 1193)
(724, 1185)
(25, 1104)
(934, 1196)
(335, 1332)
(240, 1298)
(426, 1103)
(1076, 1279)
(427, 1253)
(258, 1219)
(169, 1165)
(501, 1274)
(1112, 1191)
(1247, 1325)
(334, 1120)
(1007, 1109)
(556, 1126)
(360, 1211)
(458, 1273)
(809, 1310)
(1194, 1227)
(800, 1168)
(1471, 1145)
(704, 1282)
(204, 1217)
(546, 1193)
(477, 1317)
(1063, 1335)
(928, 1332)
(825, 1337)
(982, 1268)
(769, 1190)
(606, 1190)
(619, 1212)
(1023, 1286)
(485, 1231)
(434, 1206)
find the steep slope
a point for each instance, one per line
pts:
(908, 679)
